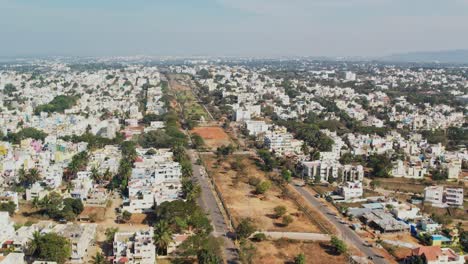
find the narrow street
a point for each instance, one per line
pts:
(346, 232)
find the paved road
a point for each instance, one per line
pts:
(347, 233)
(209, 203)
(297, 236)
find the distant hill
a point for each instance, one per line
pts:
(447, 56)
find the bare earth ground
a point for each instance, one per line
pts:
(409, 185)
(284, 251)
(242, 203)
(214, 137)
(405, 237)
(176, 85)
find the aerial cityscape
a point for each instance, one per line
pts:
(272, 153)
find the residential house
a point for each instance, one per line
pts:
(81, 237)
(134, 248)
(438, 255)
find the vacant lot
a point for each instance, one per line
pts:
(284, 251)
(402, 184)
(94, 213)
(409, 185)
(214, 137)
(242, 202)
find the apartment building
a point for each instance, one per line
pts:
(80, 235)
(154, 180)
(440, 196)
(134, 248)
(351, 190)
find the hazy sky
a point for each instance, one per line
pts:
(231, 27)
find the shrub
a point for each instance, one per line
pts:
(287, 220)
(259, 237)
(262, 187)
(254, 181)
(279, 211)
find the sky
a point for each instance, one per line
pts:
(263, 28)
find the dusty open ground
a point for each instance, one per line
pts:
(410, 185)
(242, 202)
(284, 251)
(96, 213)
(214, 137)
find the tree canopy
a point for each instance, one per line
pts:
(58, 104)
(50, 247)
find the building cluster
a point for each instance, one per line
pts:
(155, 179)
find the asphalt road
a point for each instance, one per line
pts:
(347, 233)
(208, 202)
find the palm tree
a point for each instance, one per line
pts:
(33, 244)
(33, 175)
(95, 175)
(162, 236)
(107, 175)
(35, 202)
(98, 259)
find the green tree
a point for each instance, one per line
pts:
(28, 178)
(28, 132)
(268, 161)
(440, 175)
(381, 165)
(247, 251)
(206, 257)
(162, 236)
(197, 141)
(280, 211)
(51, 247)
(59, 104)
(262, 187)
(300, 259)
(9, 207)
(339, 245)
(464, 240)
(110, 233)
(126, 216)
(287, 220)
(245, 228)
(286, 174)
(99, 258)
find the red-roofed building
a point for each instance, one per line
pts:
(438, 255)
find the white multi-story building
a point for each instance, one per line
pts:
(80, 236)
(279, 142)
(242, 115)
(453, 196)
(352, 172)
(13, 258)
(351, 190)
(155, 179)
(434, 195)
(350, 76)
(7, 228)
(82, 185)
(256, 127)
(36, 191)
(134, 248)
(319, 169)
(440, 196)
(410, 170)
